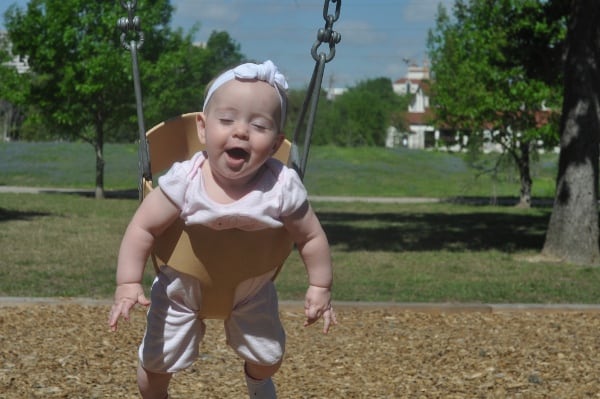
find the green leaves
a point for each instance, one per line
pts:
(496, 70)
(488, 64)
(82, 76)
(175, 82)
(360, 116)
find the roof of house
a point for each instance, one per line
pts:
(420, 118)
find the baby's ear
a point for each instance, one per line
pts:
(201, 127)
(278, 141)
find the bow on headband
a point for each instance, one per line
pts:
(267, 72)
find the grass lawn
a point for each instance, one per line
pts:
(331, 171)
(66, 244)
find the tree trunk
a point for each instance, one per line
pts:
(99, 147)
(572, 234)
(9, 118)
(525, 174)
(6, 119)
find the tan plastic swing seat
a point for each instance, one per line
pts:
(220, 259)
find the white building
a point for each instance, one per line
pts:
(333, 92)
(16, 62)
(420, 132)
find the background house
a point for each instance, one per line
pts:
(15, 62)
(420, 133)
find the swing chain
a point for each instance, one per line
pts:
(301, 140)
(131, 23)
(327, 34)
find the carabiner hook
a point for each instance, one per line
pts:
(131, 23)
(327, 34)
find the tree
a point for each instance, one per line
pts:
(572, 234)
(360, 116)
(174, 84)
(80, 79)
(485, 79)
(81, 75)
(13, 90)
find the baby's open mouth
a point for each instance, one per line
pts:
(237, 153)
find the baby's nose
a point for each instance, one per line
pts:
(241, 130)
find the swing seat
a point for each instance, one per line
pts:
(220, 259)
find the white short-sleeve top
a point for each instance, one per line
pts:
(278, 192)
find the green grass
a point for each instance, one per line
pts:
(60, 245)
(66, 245)
(69, 165)
(443, 253)
(331, 171)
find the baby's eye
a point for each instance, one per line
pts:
(226, 121)
(262, 124)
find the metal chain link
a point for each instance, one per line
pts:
(327, 34)
(129, 24)
(308, 112)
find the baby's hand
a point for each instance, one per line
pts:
(318, 303)
(126, 296)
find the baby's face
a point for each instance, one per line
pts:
(240, 128)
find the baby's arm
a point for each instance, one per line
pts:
(154, 215)
(312, 244)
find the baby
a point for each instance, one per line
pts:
(233, 183)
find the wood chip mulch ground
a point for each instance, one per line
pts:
(66, 351)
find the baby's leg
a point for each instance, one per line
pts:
(259, 382)
(173, 332)
(153, 385)
(255, 332)
(258, 372)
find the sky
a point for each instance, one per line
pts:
(379, 38)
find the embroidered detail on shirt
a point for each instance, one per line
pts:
(235, 221)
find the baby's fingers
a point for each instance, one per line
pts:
(312, 314)
(117, 311)
(329, 319)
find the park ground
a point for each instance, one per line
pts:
(62, 348)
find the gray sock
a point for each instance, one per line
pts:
(260, 389)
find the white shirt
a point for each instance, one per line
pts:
(278, 192)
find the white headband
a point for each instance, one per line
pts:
(267, 72)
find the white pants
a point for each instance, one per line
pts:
(174, 331)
